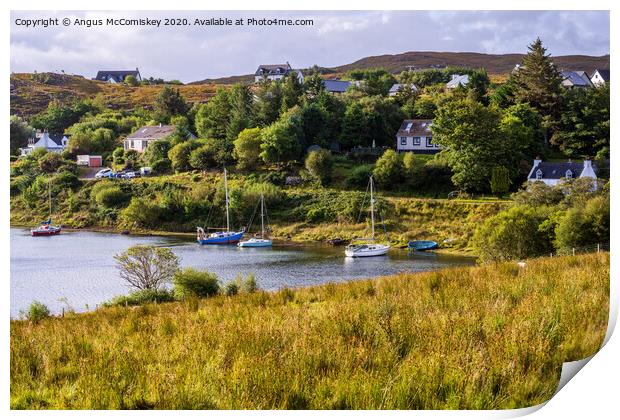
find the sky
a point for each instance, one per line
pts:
(196, 52)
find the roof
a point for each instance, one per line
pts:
(415, 128)
(576, 78)
(271, 69)
(47, 142)
(152, 132)
(339, 86)
(117, 74)
(458, 80)
(603, 72)
(398, 86)
(557, 170)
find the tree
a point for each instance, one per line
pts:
(292, 91)
(156, 151)
(247, 148)
(280, 140)
(388, 169)
(241, 111)
(50, 162)
(91, 141)
(473, 143)
(538, 82)
(354, 130)
(314, 85)
(179, 155)
(320, 164)
(20, 133)
(212, 119)
(58, 117)
(202, 158)
(410, 167)
(169, 103)
(191, 282)
(478, 85)
(315, 125)
(500, 180)
(268, 102)
(147, 267)
(131, 80)
(584, 225)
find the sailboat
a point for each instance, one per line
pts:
(46, 228)
(262, 241)
(222, 237)
(371, 248)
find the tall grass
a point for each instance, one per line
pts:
(484, 337)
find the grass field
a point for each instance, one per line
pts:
(463, 338)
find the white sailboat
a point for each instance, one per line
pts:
(371, 248)
(262, 241)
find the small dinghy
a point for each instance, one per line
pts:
(422, 245)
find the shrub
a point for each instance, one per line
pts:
(358, 178)
(37, 311)
(142, 212)
(142, 297)
(111, 197)
(320, 165)
(249, 284)
(584, 225)
(275, 178)
(388, 169)
(66, 180)
(191, 282)
(231, 288)
(50, 162)
(161, 166)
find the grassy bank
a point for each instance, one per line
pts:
(471, 337)
(179, 203)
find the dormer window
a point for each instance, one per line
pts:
(569, 174)
(539, 174)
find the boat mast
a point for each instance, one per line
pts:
(372, 211)
(49, 192)
(262, 212)
(227, 213)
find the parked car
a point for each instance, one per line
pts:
(145, 170)
(104, 173)
(119, 174)
(130, 175)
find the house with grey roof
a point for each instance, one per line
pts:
(600, 77)
(458, 80)
(575, 79)
(141, 138)
(552, 173)
(51, 143)
(397, 87)
(335, 86)
(117, 76)
(275, 72)
(416, 136)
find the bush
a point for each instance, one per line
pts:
(320, 165)
(388, 169)
(142, 297)
(249, 284)
(231, 288)
(190, 282)
(161, 166)
(37, 311)
(584, 225)
(50, 162)
(142, 212)
(358, 178)
(275, 178)
(111, 197)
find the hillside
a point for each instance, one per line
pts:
(489, 337)
(495, 64)
(30, 94)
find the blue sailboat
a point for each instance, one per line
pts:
(222, 237)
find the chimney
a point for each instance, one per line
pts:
(587, 164)
(537, 161)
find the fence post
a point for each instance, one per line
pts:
(63, 312)
(573, 252)
(598, 248)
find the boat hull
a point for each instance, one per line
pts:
(45, 232)
(221, 238)
(255, 243)
(422, 245)
(371, 250)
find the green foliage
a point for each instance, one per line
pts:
(142, 297)
(179, 155)
(91, 141)
(249, 284)
(268, 102)
(584, 225)
(111, 197)
(20, 132)
(247, 148)
(231, 288)
(320, 164)
(292, 91)
(50, 162)
(156, 151)
(537, 194)
(169, 103)
(193, 283)
(37, 312)
(147, 267)
(358, 177)
(500, 180)
(142, 213)
(130, 80)
(241, 111)
(388, 170)
(280, 140)
(59, 117)
(202, 158)
(66, 180)
(212, 119)
(161, 166)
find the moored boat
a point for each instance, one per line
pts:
(46, 228)
(422, 245)
(258, 242)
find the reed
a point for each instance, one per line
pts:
(485, 337)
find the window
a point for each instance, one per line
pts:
(429, 142)
(409, 125)
(539, 174)
(131, 144)
(403, 141)
(569, 174)
(416, 141)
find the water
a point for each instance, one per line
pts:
(78, 268)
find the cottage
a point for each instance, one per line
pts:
(336, 87)
(51, 143)
(140, 139)
(117, 76)
(600, 77)
(552, 173)
(458, 80)
(416, 136)
(575, 79)
(397, 87)
(276, 72)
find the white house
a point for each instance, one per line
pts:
(457, 80)
(397, 87)
(416, 136)
(117, 76)
(140, 139)
(600, 77)
(57, 144)
(552, 173)
(276, 72)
